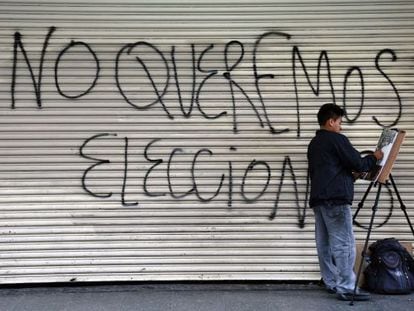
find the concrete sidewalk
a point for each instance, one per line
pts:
(191, 297)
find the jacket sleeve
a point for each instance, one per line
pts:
(351, 158)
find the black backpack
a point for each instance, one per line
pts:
(390, 269)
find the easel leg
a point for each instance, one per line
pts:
(402, 205)
(361, 204)
(374, 210)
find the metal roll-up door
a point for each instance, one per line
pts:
(167, 140)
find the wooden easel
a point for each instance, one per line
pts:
(382, 179)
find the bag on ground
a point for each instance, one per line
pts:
(390, 269)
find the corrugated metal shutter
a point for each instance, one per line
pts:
(143, 149)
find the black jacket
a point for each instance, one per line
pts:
(332, 158)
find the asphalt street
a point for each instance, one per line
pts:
(189, 297)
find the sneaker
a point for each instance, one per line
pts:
(359, 295)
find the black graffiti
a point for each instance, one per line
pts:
(389, 209)
(37, 85)
(195, 185)
(125, 176)
(97, 162)
(157, 162)
(233, 84)
(129, 48)
(251, 167)
(186, 114)
(316, 90)
(159, 166)
(234, 54)
(59, 60)
(258, 77)
(357, 69)
(361, 79)
(301, 212)
(203, 74)
(377, 65)
(230, 188)
(194, 188)
(210, 73)
(170, 183)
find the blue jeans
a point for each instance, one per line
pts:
(335, 243)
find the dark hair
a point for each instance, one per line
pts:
(329, 111)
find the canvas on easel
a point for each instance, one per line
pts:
(389, 142)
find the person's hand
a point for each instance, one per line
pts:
(378, 154)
